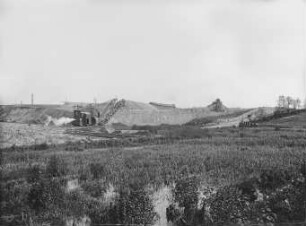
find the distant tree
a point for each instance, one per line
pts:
(294, 104)
(289, 101)
(281, 103)
(298, 103)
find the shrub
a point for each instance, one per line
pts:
(75, 204)
(46, 195)
(237, 204)
(84, 173)
(134, 207)
(277, 128)
(14, 198)
(34, 174)
(186, 195)
(95, 189)
(56, 167)
(42, 146)
(228, 206)
(36, 197)
(272, 179)
(129, 207)
(97, 170)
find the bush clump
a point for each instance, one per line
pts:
(56, 167)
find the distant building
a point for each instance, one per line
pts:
(162, 105)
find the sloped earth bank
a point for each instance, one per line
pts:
(132, 113)
(163, 198)
(254, 114)
(35, 114)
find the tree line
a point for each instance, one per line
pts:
(288, 102)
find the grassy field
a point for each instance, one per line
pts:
(235, 151)
(222, 160)
(293, 121)
(216, 176)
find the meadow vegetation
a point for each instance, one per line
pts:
(249, 175)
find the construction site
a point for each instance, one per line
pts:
(155, 143)
(74, 121)
(83, 120)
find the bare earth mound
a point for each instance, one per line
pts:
(232, 118)
(135, 113)
(130, 113)
(34, 114)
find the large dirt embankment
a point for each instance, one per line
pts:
(34, 114)
(131, 113)
(134, 113)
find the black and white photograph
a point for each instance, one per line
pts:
(152, 112)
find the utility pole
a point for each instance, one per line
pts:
(304, 50)
(32, 99)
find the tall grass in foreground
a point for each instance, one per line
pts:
(222, 159)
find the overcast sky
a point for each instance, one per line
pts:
(187, 52)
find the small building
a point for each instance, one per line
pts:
(161, 105)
